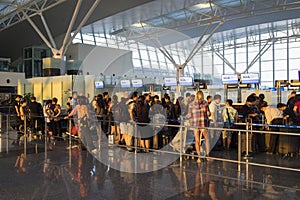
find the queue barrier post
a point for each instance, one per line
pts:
(25, 136)
(45, 137)
(239, 151)
(7, 133)
(135, 138)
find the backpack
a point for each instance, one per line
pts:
(142, 112)
(120, 112)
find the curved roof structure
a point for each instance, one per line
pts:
(127, 18)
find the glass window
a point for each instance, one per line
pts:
(266, 66)
(268, 55)
(280, 65)
(293, 74)
(135, 54)
(136, 62)
(240, 57)
(294, 44)
(280, 53)
(146, 64)
(266, 76)
(294, 52)
(294, 64)
(144, 54)
(154, 65)
(241, 67)
(152, 55)
(280, 74)
(254, 68)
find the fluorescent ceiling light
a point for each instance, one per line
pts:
(203, 5)
(139, 24)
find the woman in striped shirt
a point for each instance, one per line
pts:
(198, 113)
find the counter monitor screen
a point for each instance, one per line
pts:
(230, 79)
(170, 81)
(137, 83)
(125, 84)
(249, 78)
(99, 84)
(186, 81)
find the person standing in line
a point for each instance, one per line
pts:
(273, 116)
(198, 114)
(106, 101)
(36, 114)
(73, 100)
(230, 116)
(130, 125)
(209, 99)
(16, 112)
(214, 108)
(215, 119)
(297, 109)
(142, 118)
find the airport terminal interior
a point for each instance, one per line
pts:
(149, 99)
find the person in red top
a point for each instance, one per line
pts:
(297, 108)
(198, 114)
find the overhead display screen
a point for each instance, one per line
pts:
(186, 81)
(99, 84)
(249, 78)
(230, 79)
(170, 81)
(137, 83)
(125, 83)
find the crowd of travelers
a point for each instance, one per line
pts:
(154, 121)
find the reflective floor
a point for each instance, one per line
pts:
(77, 174)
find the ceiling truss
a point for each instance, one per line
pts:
(13, 12)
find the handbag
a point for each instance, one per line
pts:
(74, 130)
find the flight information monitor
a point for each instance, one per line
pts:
(99, 84)
(125, 83)
(170, 81)
(230, 79)
(249, 78)
(185, 81)
(137, 83)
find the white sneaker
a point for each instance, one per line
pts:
(94, 151)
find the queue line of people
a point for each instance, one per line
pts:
(118, 117)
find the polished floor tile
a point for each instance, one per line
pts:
(77, 174)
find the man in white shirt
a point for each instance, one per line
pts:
(215, 117)
(214, 109)
(273, 116)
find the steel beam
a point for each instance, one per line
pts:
(82, 23)
(67, 35)
(48, 30)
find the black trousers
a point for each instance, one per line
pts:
(274, 139)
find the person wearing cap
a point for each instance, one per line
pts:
(274, 117)
(287, 113)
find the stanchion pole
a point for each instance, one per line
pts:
(25, 136)
(239, 151)
(45, 137)
(247, 139)
(70, 135)
(100, 136)
(181, 143)
(70, 142)
(135, 138)
(7, 133)
(0, 131)
(0, 123)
